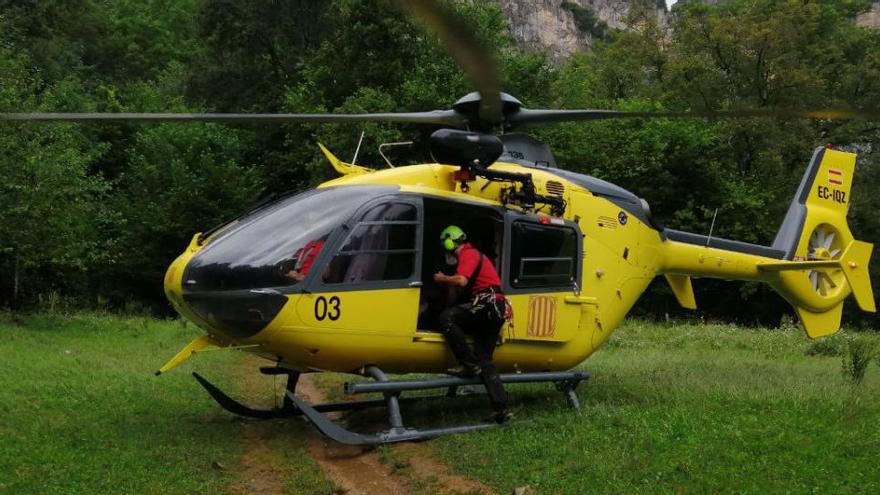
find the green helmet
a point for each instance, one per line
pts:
(451, 237)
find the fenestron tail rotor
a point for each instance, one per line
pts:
(825, 245)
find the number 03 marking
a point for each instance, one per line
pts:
(325, 308)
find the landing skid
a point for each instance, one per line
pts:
(235, 407)
(565, 382)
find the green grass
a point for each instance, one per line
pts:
(692, 409)
(81, 412)
(681, 409)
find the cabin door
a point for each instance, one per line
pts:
(371, 283)
(543, 265)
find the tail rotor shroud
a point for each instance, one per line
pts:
(825, 245)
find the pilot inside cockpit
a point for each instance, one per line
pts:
(304, 258)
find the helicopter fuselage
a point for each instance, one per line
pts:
(371, 241)
(557, 323)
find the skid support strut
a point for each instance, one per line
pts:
(395, 420)
(565, 382)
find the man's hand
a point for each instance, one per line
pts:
(459, 280)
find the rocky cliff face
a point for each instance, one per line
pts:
(872, 18)
(562, 27)
(544, 25)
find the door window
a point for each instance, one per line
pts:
(380, 247)
(542, 255)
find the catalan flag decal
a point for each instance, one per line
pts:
(835, 176)
(542, 316)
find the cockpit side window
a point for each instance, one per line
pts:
(277, 246)
(380, 247)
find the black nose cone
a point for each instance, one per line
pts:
(237, 314)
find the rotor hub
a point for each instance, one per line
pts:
(469, 106)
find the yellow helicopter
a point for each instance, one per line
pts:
(338, 278)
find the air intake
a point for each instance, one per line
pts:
(555, 188)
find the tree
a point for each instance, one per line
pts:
(182, 179)
(252, 51)
(51, 203)
(737, 54)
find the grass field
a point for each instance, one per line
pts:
(694, 409)
(670, 408)
(81, 412)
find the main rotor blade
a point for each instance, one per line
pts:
(436, 117)
(539, 116)
(471, 54)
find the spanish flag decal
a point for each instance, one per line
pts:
(835, 176)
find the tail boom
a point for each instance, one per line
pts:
(814, 262)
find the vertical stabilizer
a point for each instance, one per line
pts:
(826, 263)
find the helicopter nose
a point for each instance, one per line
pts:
(235, 314)
(238, 314)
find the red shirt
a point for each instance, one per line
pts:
(468, 258)
(307, 256)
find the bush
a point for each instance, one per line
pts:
(855, 362)
(834, 345)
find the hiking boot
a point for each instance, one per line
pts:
(502, 416)
(464, 371)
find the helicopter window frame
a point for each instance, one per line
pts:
(508, 271)
(341, 236)
(355, 197)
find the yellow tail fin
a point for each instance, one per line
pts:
(825, 263)
(821, 324)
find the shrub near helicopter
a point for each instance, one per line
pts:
(574, 253)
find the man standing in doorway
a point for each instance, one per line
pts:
(481, 317)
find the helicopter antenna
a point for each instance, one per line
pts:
(358, 149)
(389, 145)
(711, 228)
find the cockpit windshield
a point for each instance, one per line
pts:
(277, 245)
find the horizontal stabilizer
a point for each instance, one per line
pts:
(853, 263)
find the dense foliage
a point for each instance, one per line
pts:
(94, 213)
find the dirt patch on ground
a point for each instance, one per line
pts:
(402, 468)
(432, 475)
(399, 469)
(353, 470)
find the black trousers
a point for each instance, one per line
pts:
(483, 323)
